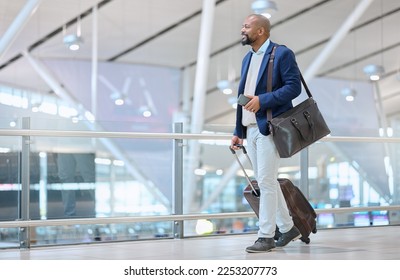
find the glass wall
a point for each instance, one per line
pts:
(127, 177)
(83, 178)
(339, 175)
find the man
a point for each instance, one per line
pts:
(252, 124)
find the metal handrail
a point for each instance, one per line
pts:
(141, 135)
(166, 218)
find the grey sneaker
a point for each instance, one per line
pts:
(262, 245)
(285, 238)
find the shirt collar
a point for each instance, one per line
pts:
(262, 49)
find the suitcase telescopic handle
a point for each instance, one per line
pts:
(239, 146)
(241, 165)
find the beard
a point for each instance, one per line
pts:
(246, 40)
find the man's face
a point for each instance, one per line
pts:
(249, 31)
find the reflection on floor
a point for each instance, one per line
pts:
(380, 243)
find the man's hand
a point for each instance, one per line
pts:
(253, 105)
(236, 140)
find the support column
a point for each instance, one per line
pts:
(187, 87)
(18, 24)
(94, 61)
(203, 59)
(336, 39)
(94, 80)
(24, 200)
(177, 194)
(197, 121)
(389, 154)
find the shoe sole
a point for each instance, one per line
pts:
(294, 239)
(254, 251)
(297, 237)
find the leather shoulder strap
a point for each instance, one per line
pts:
(270, 69)
(269, 78)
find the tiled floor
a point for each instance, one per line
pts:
(372, 243)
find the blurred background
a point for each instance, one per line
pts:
(141, 66)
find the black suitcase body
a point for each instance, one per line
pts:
(303, 214)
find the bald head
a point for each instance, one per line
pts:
(255, 30)
(262, 21)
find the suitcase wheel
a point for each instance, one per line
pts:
(305, 240)
(314, 230)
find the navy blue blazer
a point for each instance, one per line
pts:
(286, 86)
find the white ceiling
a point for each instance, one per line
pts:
(166, 33)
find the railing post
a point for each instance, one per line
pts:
(304, 182)
(24, 201)
(177, 199)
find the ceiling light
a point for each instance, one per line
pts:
(119, 101)
(349, 94)
(233, 102)
(373, 71)
(145, 111)
(36, 107)
(264, 7)
(73, 41)
(75, 119)
(5, 150)
(389, 132)
(200, 172)
(225, 86)
(13, 123)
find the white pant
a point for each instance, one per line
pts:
(265, 160)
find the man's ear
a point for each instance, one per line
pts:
(263, 31)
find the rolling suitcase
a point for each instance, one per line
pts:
(303, 214)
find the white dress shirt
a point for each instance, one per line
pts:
(251, 81)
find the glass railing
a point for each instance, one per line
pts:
(87, 184)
